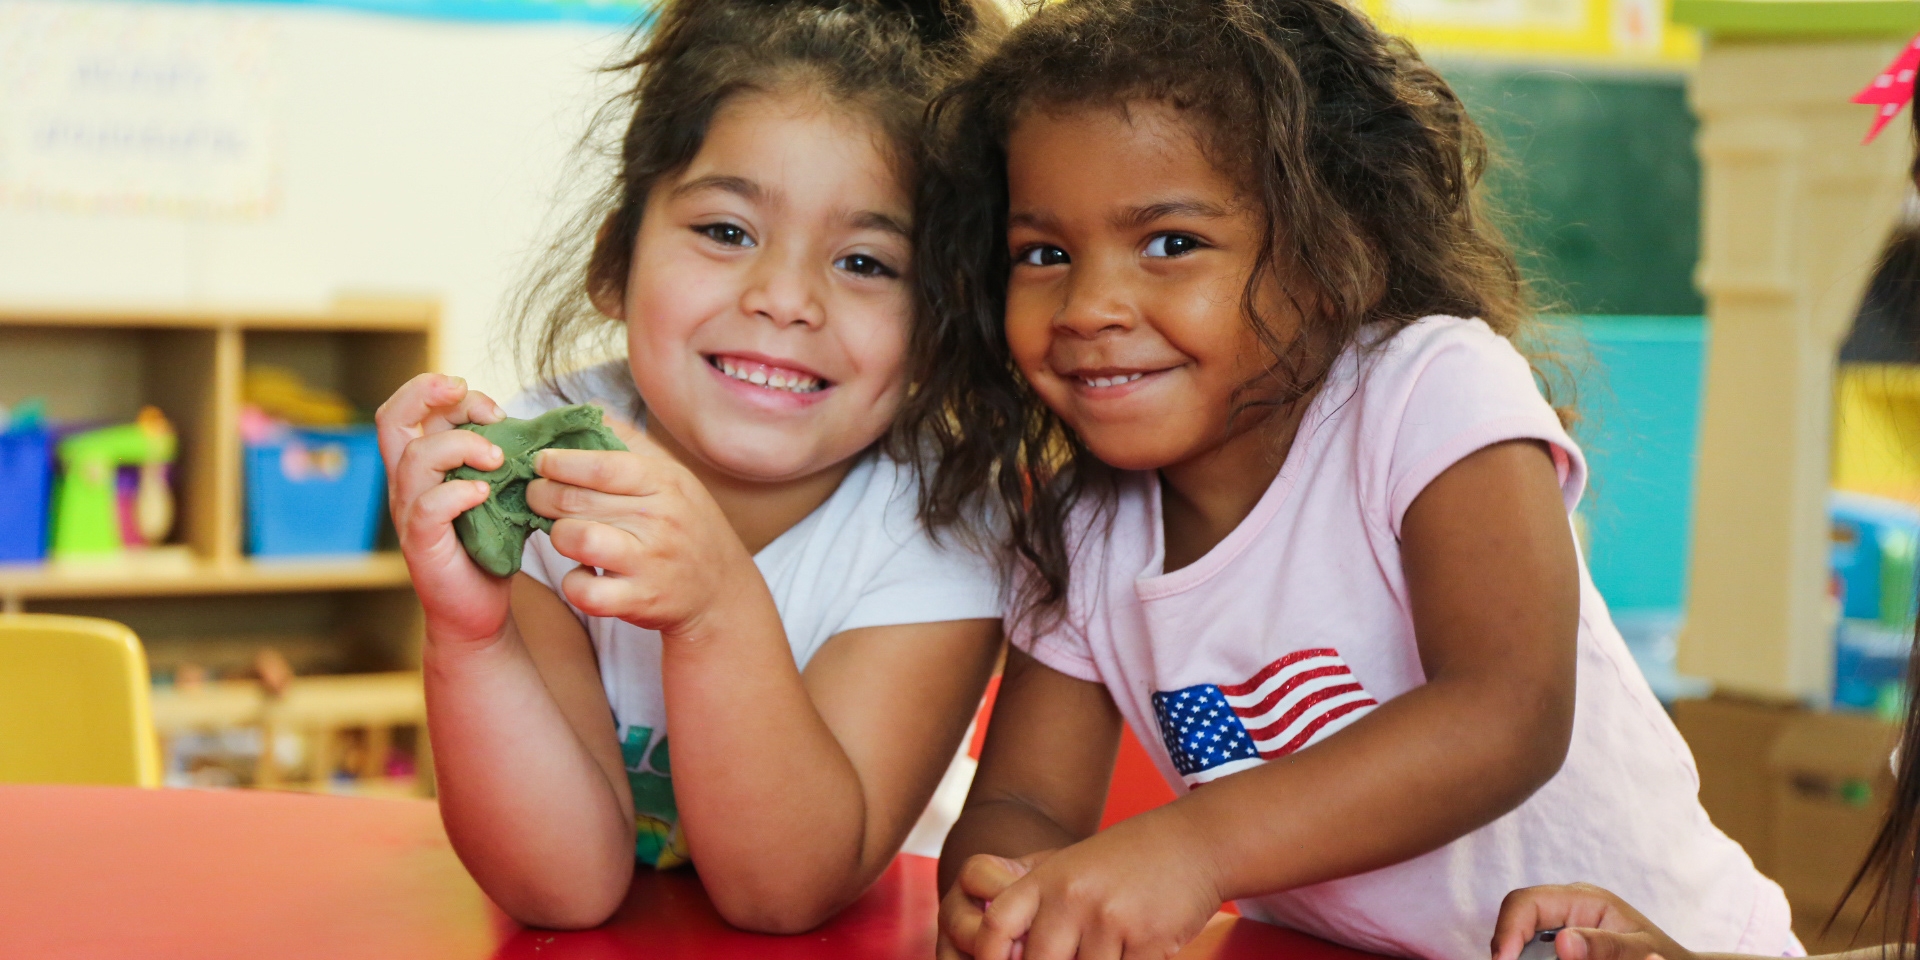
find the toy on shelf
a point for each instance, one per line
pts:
(314, 478)
(1876, 543)
(266, 727)
(282, 393)
(26, 477)
(87, 512)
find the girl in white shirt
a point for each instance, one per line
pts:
(752, 575)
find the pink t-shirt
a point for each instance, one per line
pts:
(1298, 625)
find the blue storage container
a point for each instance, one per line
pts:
(26, 477)
(1873, 557)
(1870, 667)
(319, 491)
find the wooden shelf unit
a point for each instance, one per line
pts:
(200, 598)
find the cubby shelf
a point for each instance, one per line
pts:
(200, 598)
(175, 576)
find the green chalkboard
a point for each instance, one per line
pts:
(1600, 182)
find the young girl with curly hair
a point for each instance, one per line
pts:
(1230, 341)
(751, 576)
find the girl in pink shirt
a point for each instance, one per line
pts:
(1228, 337)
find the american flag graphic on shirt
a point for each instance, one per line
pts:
(1292, 703)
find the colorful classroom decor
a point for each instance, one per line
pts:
(315, 480)
(1874, 548)
(1795, 211)
(26, 483)
(95, 513)
(1876, 430)
(1635, 32)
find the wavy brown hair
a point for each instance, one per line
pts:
(1362, 160)
(884, 58)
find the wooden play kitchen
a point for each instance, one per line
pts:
(204, 605)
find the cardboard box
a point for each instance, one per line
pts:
(1731, 741)
(1831, 782)
(1804, 791)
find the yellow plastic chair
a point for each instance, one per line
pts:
(74, 703)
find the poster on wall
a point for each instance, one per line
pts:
(137, 108)
(1507, 14)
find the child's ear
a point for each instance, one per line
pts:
(606, 280)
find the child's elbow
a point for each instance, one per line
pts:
(577, 907)
(782, 912)
(1545, 738)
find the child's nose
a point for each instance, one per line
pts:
(1095, 305)
(783, 293)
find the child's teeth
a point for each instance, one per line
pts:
(792, 383)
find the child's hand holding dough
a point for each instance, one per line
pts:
(668, 560)
(418, 440)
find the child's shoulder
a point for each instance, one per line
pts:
(1436, 362)
(1410, 347)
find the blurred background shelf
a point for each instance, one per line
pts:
(175, 574)
(338, 700)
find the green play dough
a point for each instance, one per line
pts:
(496, 531)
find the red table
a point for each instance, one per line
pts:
(100, 872)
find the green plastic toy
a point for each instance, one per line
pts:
(86, 512)
(495, 532)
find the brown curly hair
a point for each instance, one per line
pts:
(884, 58)
(1362, 160)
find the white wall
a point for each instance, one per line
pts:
(414, 157)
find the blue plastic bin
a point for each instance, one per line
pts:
(317, 492)
(1873, 555)
(26, 478)
(1870, 666)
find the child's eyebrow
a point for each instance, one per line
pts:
(1133, 218)
(875, 220)
(740, 186)
(1038, 221)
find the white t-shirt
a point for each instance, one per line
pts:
(1297, 625)
(861, 559)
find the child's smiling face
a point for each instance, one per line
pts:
(1131, 254)
(767, 304)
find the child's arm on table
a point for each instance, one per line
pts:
(1042, 785)
(794, 790)
(530, 780)
(1601, 926)
(1494, 589)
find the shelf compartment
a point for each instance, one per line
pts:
(171, 574)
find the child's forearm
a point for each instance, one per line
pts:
(527, 807)
(1409, 778)
(1003, 828)
(773, 808)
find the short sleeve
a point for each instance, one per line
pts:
(1458, 388)
(1056, 637)
(927, 582)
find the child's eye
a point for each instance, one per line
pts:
(1043, 255)
(865, 266)
(1171, 245)
(726, 234)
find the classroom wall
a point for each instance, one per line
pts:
(1598, 181)
(413, 157)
